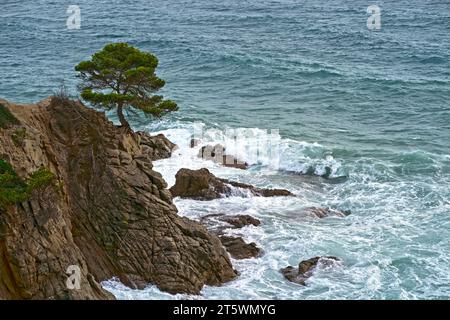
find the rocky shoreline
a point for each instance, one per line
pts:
(111, 214)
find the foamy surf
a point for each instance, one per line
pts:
(265, 150)
(374, 242)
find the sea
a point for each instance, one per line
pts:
(346, 114)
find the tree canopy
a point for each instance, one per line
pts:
(121, 76)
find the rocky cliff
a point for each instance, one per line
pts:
(107, 211)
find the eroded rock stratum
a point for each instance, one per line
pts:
(110, 213)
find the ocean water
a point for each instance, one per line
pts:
(370, 107)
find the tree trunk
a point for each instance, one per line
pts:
(123, 122)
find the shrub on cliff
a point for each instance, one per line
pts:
(40, 179)
(14, 189)
(121, 76)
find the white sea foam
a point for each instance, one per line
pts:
(392, 229)
(257, 147)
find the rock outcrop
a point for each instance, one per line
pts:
(218, 222)
(218, 154)
(241, 220)
(239, 249)
(156, 147)
(203, 185)
(110, 214)
(236, 246)
(306, 268)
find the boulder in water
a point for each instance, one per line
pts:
(219, 222)
(241, 220)
(239, 249)
(203, 185)
(306, 268)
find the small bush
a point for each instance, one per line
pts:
(39, 179)
(14, 189)
(7, 118)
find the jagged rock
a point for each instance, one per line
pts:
(110, 215)
(326, 212)
(306, 268)
(237, 221)
(218, 223)
(156, 147)
(203, 185)
(197, 184)
(217, 154)
(236, 246)
(239, 249)
(240, 220)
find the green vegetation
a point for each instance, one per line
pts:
(121, 76)
(6, 118)
(14, 189)
(39, 179)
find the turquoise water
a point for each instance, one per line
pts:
(372, 106)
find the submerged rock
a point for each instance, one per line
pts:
(218, 223)
(218, 154)
(203, 185)
(241, 220)
(326, 212)
(306, 268)
(110, 214)
(236, 221)
(239, 249)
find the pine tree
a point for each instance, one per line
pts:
(121, 76)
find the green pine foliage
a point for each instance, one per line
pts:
(121, 76)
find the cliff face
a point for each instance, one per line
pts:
(110, 214)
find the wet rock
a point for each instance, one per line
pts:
(218, 223)
(214, 225)
(240, 221)
(326, 212)
(306, 268)
(198, 184)
(110, 218)
(218, 154)
(203, 185)
(272, 192)
(239, 249)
